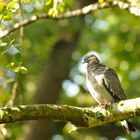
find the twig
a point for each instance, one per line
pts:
(21, 33)
(75, 13)
(9, 104)
(12, 98)
(70, 14)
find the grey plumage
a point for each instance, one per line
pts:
(104, 85)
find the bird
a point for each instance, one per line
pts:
(104, 85)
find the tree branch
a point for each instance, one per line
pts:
(82, 117)
(69, 14)
(133, 9)
(75, 13)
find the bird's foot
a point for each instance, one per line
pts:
(105, 105)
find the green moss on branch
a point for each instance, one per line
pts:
(82, 117)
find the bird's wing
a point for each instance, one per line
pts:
(112, 84)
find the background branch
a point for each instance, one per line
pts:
(83, 117)
(21, 32)
(75, 13)
(13, 96)
(69, 14)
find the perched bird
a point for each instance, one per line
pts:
(104, 85)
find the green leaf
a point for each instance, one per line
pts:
(18, 57)
(60, 8)
(1, 6)
(11, 4)
(16, 69)
(11, 65)
(11, 42)
(6, 17)
(100, 1)
(23, 70)
(48, 2)
(5, 51)
(53, 12)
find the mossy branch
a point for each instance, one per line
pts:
(79, 116)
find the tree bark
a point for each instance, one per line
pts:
(79, 116)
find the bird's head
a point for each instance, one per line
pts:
(91, 59)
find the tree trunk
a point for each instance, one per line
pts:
(57, 70)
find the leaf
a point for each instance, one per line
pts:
(12, 50)
(100, 1)
(16, 69)
(18, 57)
(6, 17)
(11, 4)
(11, 42)
(11, 65)
(23, 70)
(3, 44)
(52, 12)
(1, 7)
(69, 128)
(5, 51)
(48, 2)
(60, 8)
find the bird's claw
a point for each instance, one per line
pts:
(105, 105)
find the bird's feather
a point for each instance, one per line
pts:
(96, 87)
(112, 84)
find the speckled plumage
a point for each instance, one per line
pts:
(104, 85)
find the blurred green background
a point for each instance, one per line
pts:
(52, 51)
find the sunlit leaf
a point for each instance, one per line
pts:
(69, 128)
(60, 8)
(52, 12)
(48, 2)
(23, 70)
(100, 1)
(3, 44)
(16, 69)
(11, 4)
(1, 6)
(11, 65)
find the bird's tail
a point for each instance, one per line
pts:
(128, 126)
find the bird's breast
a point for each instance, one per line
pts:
(97, 89)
